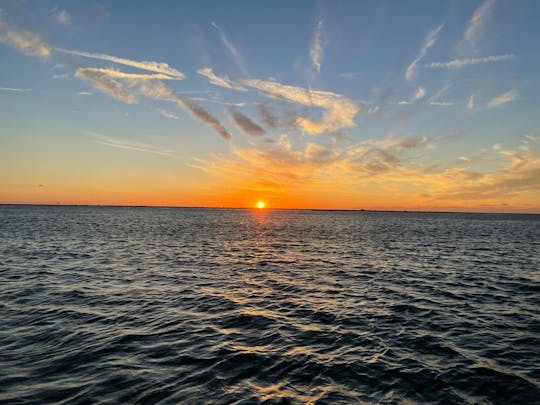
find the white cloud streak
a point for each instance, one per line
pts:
(317, 47)
(62, 17)
(505, 98)
(107, 85)
(133, 146)
(222, 81)
(13, 89)
(231, 48)
(478, 22)
(470, 103)
(167, 114)
(441, 103)
(430, 40)
(459, 63)
(157, 67)
(123, 75)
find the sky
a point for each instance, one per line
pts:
(417, 105)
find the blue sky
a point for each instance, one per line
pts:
(427, 105)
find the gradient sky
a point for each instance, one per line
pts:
(425, 105)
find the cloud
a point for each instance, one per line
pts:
(459, 63)
(516, 181)
(62, 17)
(441, 103)
(339, 110)
(222, 81)
(375, 169)
(157, 67)
(246, 124)
(270, 119)
(505, 98)
(217, 101)
(430, 40)
(272, 167)
(158, 90)
(167, 114)
(470, 103)
(25, 41)
(123, 75)
(119, 85)
(420, 93)
(127, 145)
(317, 47)
(371, 161)
(13, 89)
(397, 144)
(351, 75)
(477, 23)
(206, 117)
(85, 93)
(279, 166)
(107, 85)
(230, 47)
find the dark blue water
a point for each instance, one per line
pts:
(152, 305)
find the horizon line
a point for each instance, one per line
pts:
(269, 208)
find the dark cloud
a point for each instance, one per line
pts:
(246, 124)
(268, 116)
(206, 117)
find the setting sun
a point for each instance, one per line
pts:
(261, 204)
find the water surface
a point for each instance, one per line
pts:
(103, 304)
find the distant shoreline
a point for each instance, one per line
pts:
(268, 209)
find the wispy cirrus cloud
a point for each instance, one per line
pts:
(339, 110)
(477, 23)
(495, 102)
(156, 89)
(441, 103)
(459, 63)
(122, 86)
(129, 145)
(316, 52)
(14, 89)
(107, 85)
(349, 75)
(502, 99)
(167, 114)
(118, 74)
(429, 41)
(62, 17)
(222, 81)
(470, 103)
(419, 94)
(235, 55)
(157, 67)
(25, 41)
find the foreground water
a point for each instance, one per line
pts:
(236, 306)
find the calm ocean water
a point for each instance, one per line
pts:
(152, 305)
